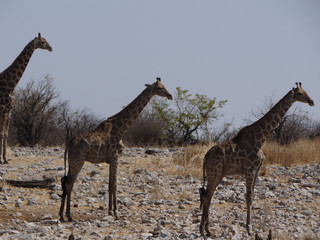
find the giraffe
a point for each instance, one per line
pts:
(9, 78)
(104, 145)
(243, 155)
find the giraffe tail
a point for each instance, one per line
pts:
(202, 190)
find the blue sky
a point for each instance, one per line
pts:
(105, 51)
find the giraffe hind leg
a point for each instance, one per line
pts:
(206, 200)
(63, 198)
(202, 191)
(69, 185)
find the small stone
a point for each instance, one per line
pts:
(109, 237)
(156, 231)
(18, 203)
(55, 196)
(32, 201)
(46, 217)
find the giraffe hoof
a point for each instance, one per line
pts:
(249, 229)
(69, 218)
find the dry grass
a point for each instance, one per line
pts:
(191, 160)
(299, 152)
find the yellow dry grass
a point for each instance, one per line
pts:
(191, 160)
(302, 151)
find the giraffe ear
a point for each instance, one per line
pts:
(148, 85)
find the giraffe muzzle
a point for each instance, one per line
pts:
(311, 103)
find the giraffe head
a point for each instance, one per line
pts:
(40, 42)
(159, 89)
(301, 95)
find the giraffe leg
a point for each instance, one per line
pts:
(69, 182)
(250, 179)
(63, 198)
(68, 212)
(113, 190)
(110, 192)
(69, 187)
(250, 184)
(2, 123)
(207, 195)
(115, 199)
(5, 137)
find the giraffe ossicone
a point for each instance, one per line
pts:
(9, 79)
(243, 155)
(104, 145)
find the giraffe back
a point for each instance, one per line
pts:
(92, 146)
(230, 158)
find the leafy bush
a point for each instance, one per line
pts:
(189, 119)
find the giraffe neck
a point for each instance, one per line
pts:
(125, 118)
(258, 132)
(13, 73)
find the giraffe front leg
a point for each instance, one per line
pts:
(5, 137)
(249, 199)
(1, 146)
(113, 190)
(115, 202)
(110, 192)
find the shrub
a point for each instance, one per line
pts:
(144, 132)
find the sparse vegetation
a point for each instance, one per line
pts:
(191, 160)
(39, 118)
(188, 119)
(302, 151)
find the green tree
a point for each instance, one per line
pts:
(189, 118)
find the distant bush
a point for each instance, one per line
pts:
(39, 118)
(146, 131)
(188, 118)
(33, 113)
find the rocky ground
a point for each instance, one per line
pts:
(156, 200)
